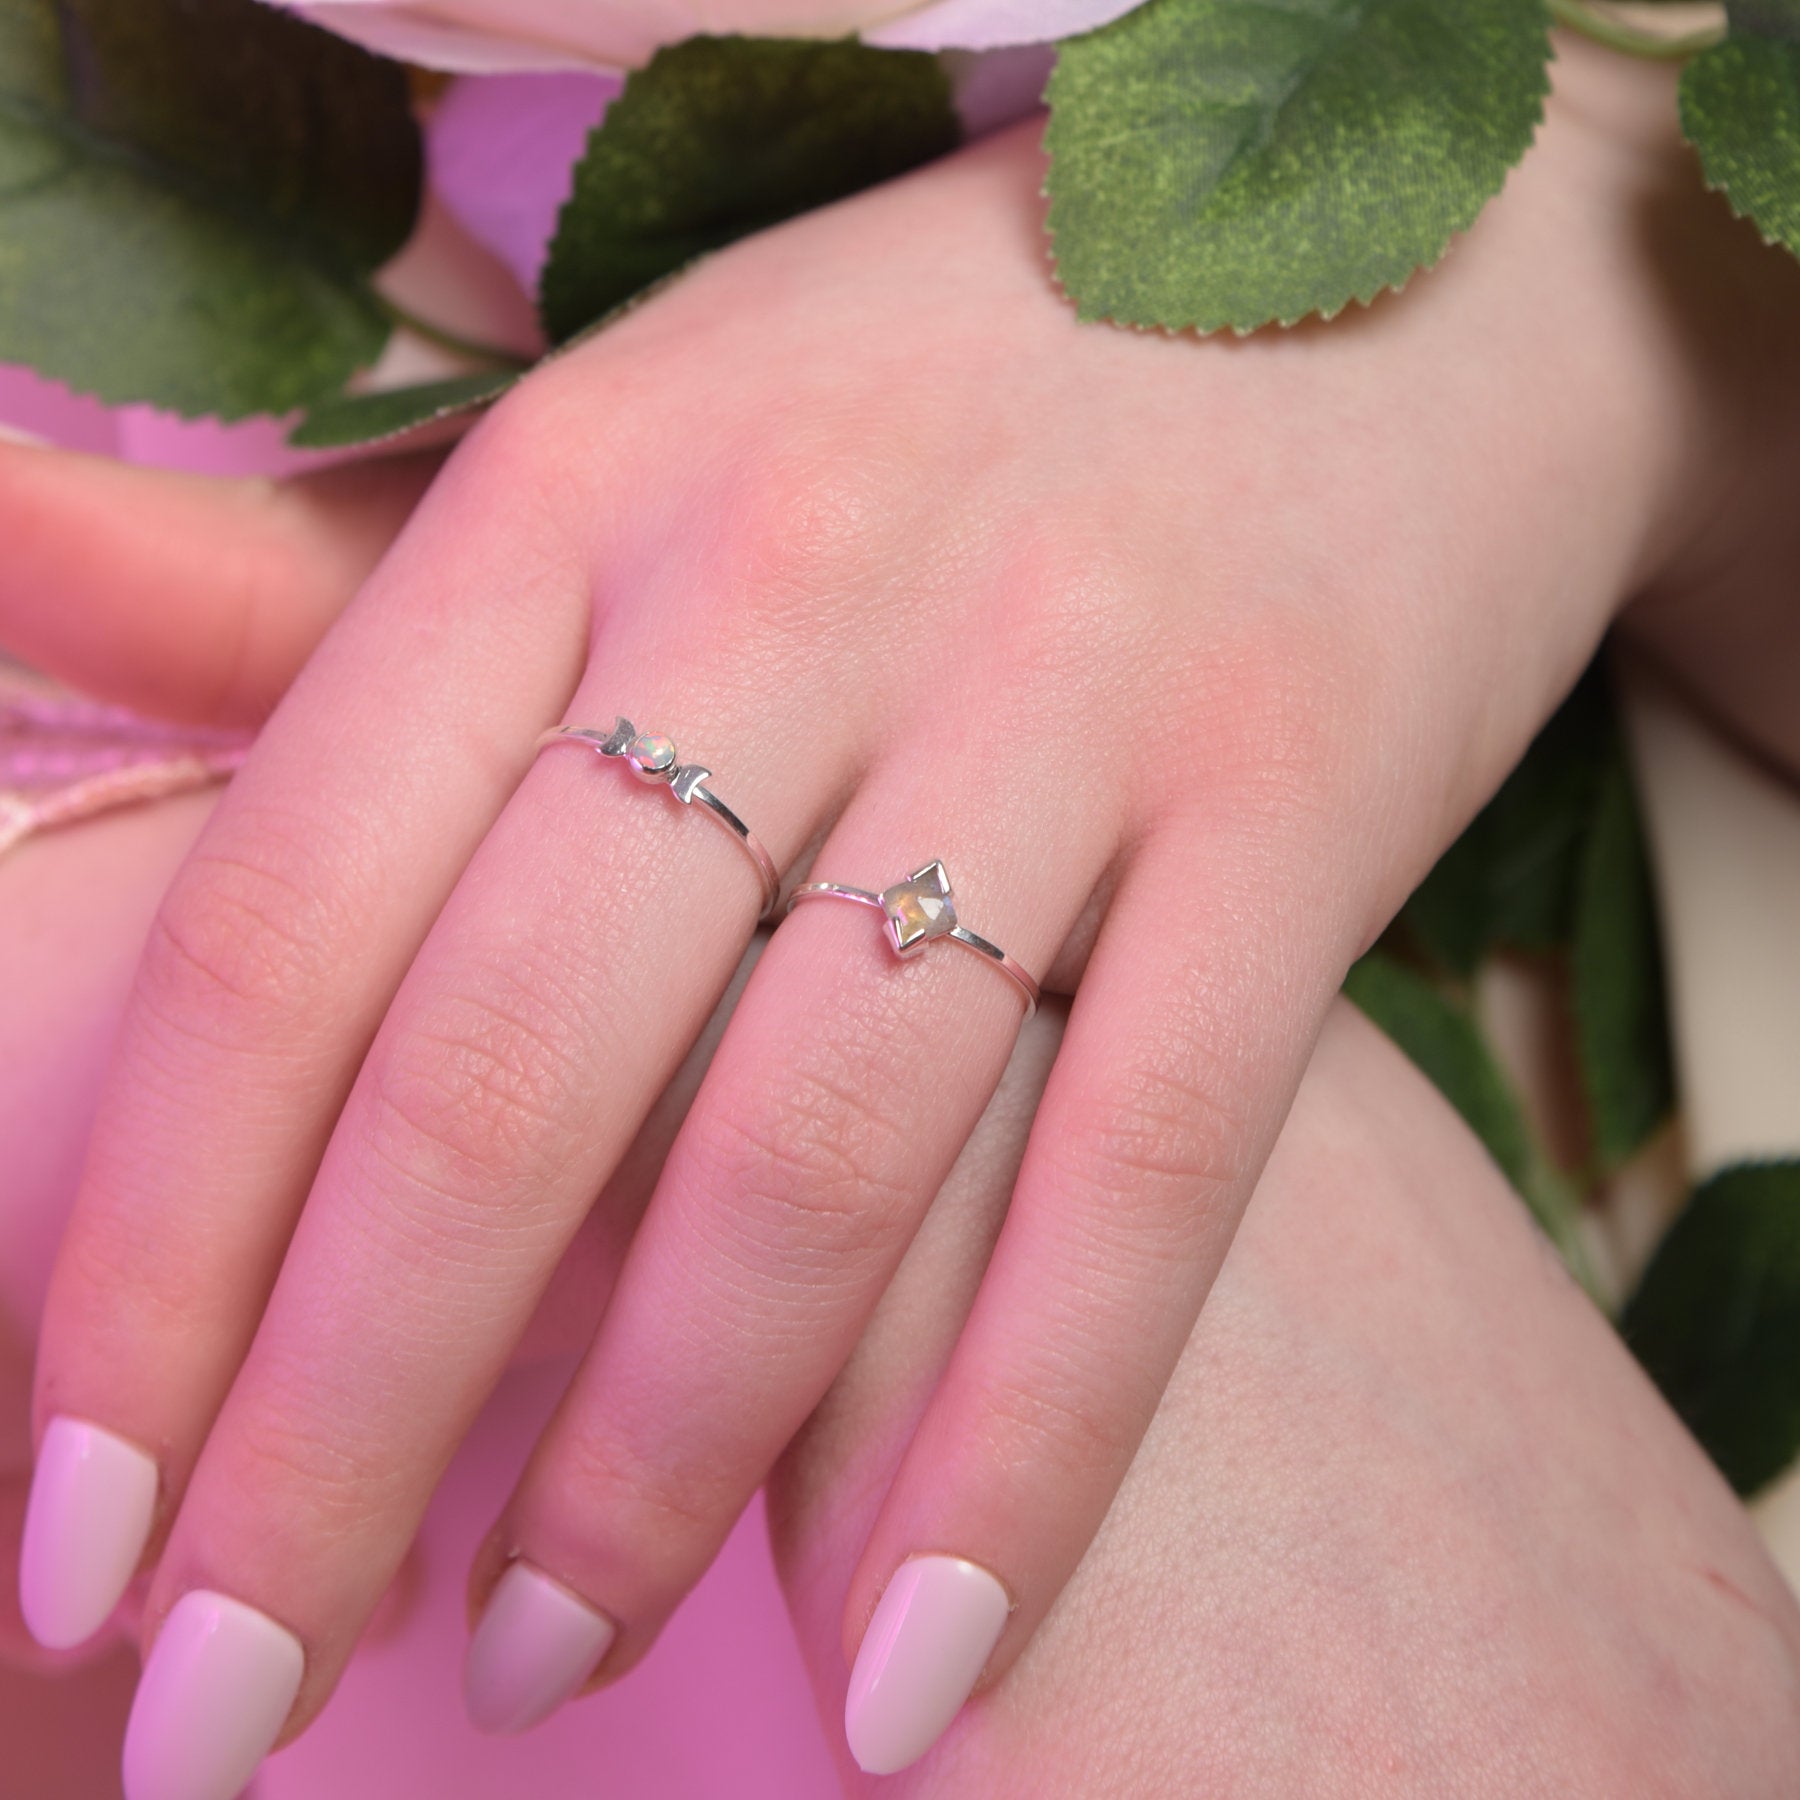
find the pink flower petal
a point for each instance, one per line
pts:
(503, 153)
(413, 37)
(994, 24)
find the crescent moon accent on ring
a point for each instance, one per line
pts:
(652, 758)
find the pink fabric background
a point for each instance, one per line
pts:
(721, 1710)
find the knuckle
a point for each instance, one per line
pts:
(122, 1291)
(1277, 731)
(811, 1172)
(1271, 718)
(811, 519)
(294, 1451)
(243, 942)
(475, 1088)
(661, 1510)
(1052, 1417)
(1161, 1143)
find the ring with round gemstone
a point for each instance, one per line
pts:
(918, 911)
(652, 757)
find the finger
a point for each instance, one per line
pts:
(76, 907)
(1182, 1055)
(184, 596)
(1331, 1528)
(847, 1085)
(554, 999)
(271, 961)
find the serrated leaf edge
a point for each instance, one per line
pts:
(449, 410)
(1326, 311)
(1770, 240)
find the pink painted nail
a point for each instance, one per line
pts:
(93, 1500)
(215, 1694)
(925, 1648)
(536, 1644)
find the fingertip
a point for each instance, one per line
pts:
(88, 1519)
(930, 1638)
(536, 1646)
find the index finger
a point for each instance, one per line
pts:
(270, 964)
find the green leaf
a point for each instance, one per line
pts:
(1511, 879)
(1238, 162)
(1716, 1320)
(349, 419)
(1442, 1038)
(721, 137)
(1444, 1041)
(1740, 107)
(193, 195)
(1616, 967)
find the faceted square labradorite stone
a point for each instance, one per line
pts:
(919, 908)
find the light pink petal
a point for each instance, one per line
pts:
(508, 37)
(995, 87)
(503, 152)
(994, 24)
(415, 38)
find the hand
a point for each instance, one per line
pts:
(1409, 1521)
(1188, 658)
(190, 598)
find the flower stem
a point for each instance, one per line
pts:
(1591, 22)
(474, 350)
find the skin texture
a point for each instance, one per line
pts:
(1390, 1359)
(1408, 1522)
(1246, 685)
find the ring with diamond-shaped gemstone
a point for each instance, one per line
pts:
(651, 757)
(918, 911)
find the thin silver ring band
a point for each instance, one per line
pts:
(652, 758)
(921, 910)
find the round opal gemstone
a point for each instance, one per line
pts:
(652, 756)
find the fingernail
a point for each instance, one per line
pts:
(215, 1694)
(93, 1500)
(536, 1644)
(25, 440)
(925, 1648)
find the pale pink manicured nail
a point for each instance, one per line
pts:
(925, 1648)
(536, 1644)
(93, 1500)
(215, 1694)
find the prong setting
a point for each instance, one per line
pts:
(652, 756)
(919, 909)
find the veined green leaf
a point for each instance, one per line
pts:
(1616, 978)
(1241, 162)
(1740, 107)
(1716, 1320)
(1511, 879)
(193, 195)
(720, 137)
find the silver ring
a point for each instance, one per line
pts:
(651, 757)
(918, 911)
